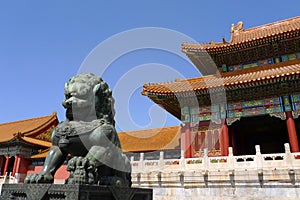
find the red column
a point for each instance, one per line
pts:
(15, 168)
(18, 168)
(292, 132)
(224, 139)
(6, 165)
(186, 140)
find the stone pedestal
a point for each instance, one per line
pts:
(72, 192)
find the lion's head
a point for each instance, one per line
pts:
(88, 97)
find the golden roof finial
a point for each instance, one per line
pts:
(237, 28)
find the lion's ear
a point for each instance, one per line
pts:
(96, 88)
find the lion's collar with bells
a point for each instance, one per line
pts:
(70, 129)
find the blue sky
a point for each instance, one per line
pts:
(43, 44)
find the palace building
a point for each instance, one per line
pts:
(249, 94)
(21, 140)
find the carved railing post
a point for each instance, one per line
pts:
(259, 163)
(182, 154)
(161, 160)
(230, 161)
(182, 160)
(141, 163)
(288, 157)
(259, 160)
(205, 163)
(131, 160)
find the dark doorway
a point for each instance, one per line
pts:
(3, 161)
(297, 124)
(268, 132)
(11, 164)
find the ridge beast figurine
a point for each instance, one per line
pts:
(89, 136)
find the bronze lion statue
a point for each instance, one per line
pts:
(89, 136)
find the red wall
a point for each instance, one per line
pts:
(23, 165)
(61, 173)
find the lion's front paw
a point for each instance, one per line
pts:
(39, 178)
(30, 178)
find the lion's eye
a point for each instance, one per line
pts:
(68, 96)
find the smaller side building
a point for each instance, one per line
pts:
(20, 140)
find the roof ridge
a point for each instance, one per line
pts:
(24, 120)
(272, 23)
(189, 79)
(202, 77)
(243, 31)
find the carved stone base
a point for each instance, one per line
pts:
(72, 192)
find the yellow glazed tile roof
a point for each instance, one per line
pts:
(150, 139)
(29, 128)
(259, 74)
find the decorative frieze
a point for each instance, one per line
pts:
(14, 150)
(230, 121)
(236, 110)
(280, 115)
(296, 114)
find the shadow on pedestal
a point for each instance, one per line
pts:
(72, 192)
